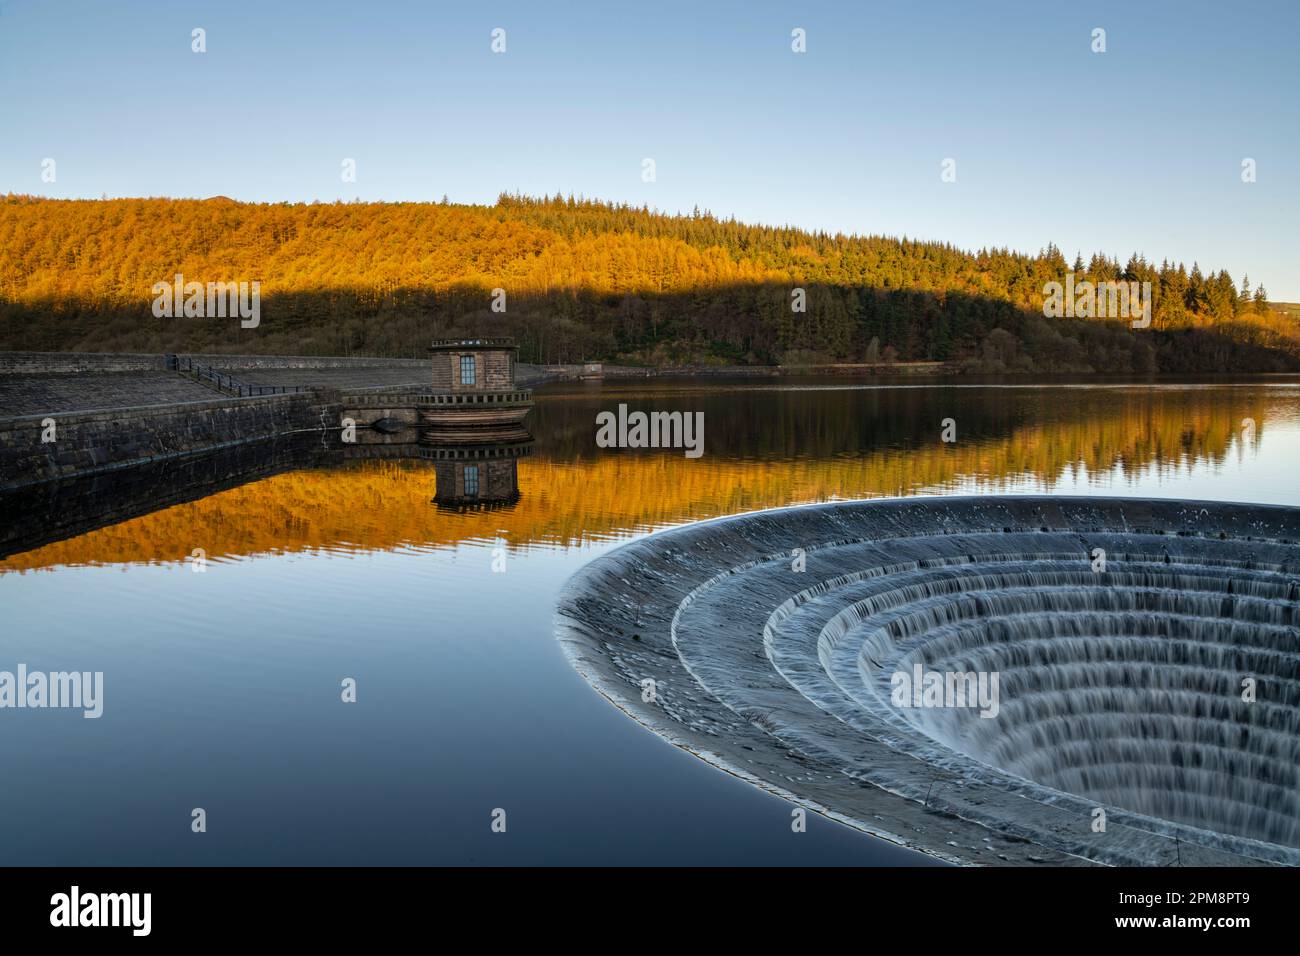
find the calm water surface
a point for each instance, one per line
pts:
(222, 689)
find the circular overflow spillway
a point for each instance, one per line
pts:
(990, 680)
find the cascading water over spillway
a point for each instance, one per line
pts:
(1123, 685)
(1126, 661)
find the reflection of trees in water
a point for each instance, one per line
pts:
(761, 450)
(748, 422)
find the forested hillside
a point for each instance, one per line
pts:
(586, 280)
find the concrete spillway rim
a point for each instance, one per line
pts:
(1154, 516)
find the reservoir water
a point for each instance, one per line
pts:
(222, 689)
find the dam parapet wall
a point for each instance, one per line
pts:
(44, 447)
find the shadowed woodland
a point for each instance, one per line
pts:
(586, 280)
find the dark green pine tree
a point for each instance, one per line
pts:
(1261, 301)
(1195, 290)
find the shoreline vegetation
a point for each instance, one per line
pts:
(574, 281)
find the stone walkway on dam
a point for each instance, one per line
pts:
(36, 393)
(344, 378)
(83, 391)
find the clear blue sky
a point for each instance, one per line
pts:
(1139, 148)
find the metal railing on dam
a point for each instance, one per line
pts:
(224, 381)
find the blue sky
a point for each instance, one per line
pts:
(1135, 149)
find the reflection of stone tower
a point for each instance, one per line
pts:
(470, 424)
(474, 397)
(478, 476)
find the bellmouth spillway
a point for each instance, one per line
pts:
(1143, 658)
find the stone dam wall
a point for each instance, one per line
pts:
(92, 442)
(111, 411)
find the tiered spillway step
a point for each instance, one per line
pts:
(1162, 687)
